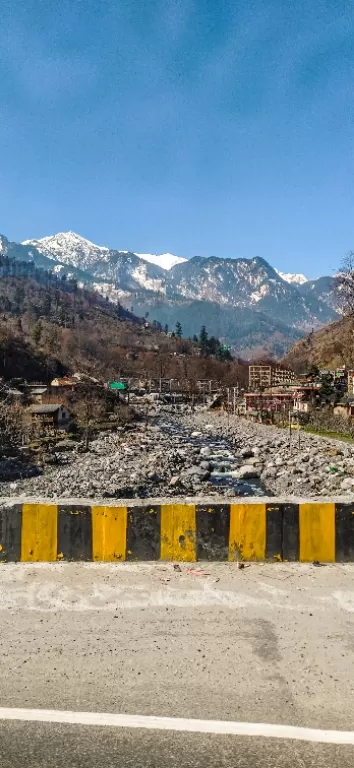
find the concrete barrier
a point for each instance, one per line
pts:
(183, 531)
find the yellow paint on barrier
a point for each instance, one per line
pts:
(247, 532)
(39, 532)
(317, 532)
(178, 532)
(109, 533)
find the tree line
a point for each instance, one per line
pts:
(208, 345)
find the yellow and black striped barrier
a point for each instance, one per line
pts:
(187, 532)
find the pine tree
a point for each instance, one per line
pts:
(203, 340)
(36, 332)
(179, 331)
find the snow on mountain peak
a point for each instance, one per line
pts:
(65, 239)
(69, 248)
(163, 260)
(289, 277)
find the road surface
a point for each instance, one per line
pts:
(267, 644)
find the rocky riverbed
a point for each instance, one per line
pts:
(194, 454)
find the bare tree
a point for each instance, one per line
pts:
(345, 285)
(10, 428)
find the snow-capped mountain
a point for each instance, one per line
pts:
(244, 301)
(163, 260)
(103, 264)
(290, 277)
(251, 283)
(69, 248)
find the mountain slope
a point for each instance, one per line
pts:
(49, 326)
(251, 283)
(123, 269)
(330, 347)
(69, 248)
(324, 289)
(29, 253)
(250, 333)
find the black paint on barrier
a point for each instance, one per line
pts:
(10, 533)
(344, 532)
(282, 532)
(213, 531)
(143, 536)
(274, 532)
(75, 532)
(291, 532)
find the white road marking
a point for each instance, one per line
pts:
(219, 727)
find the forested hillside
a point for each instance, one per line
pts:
(49, 326)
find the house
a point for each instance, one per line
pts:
(67, 382)
(302, 406)
(267, 376)
(85, 377)
(37, 393)
(306, 397)
(351, 382)
(256, 404)
(48, 417)
(345, 407)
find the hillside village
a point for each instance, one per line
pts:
(274, 394)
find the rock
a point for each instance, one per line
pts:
(347, 484)
(205, 465)
(174, 481)
(248, 471)
(196, 471)
(246, 453)
(205, 451)
(153, 476)
(196, 434)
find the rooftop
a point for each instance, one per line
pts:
(46, 408)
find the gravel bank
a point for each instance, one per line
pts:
(312, 467)
(195, 454)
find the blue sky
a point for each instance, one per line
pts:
(199, 127)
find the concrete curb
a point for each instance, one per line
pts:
(183, 531)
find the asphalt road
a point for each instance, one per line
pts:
(268, 644)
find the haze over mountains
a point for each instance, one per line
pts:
(246, 302)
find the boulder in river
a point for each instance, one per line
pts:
(248, 471)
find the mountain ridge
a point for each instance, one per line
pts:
(287, 305)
